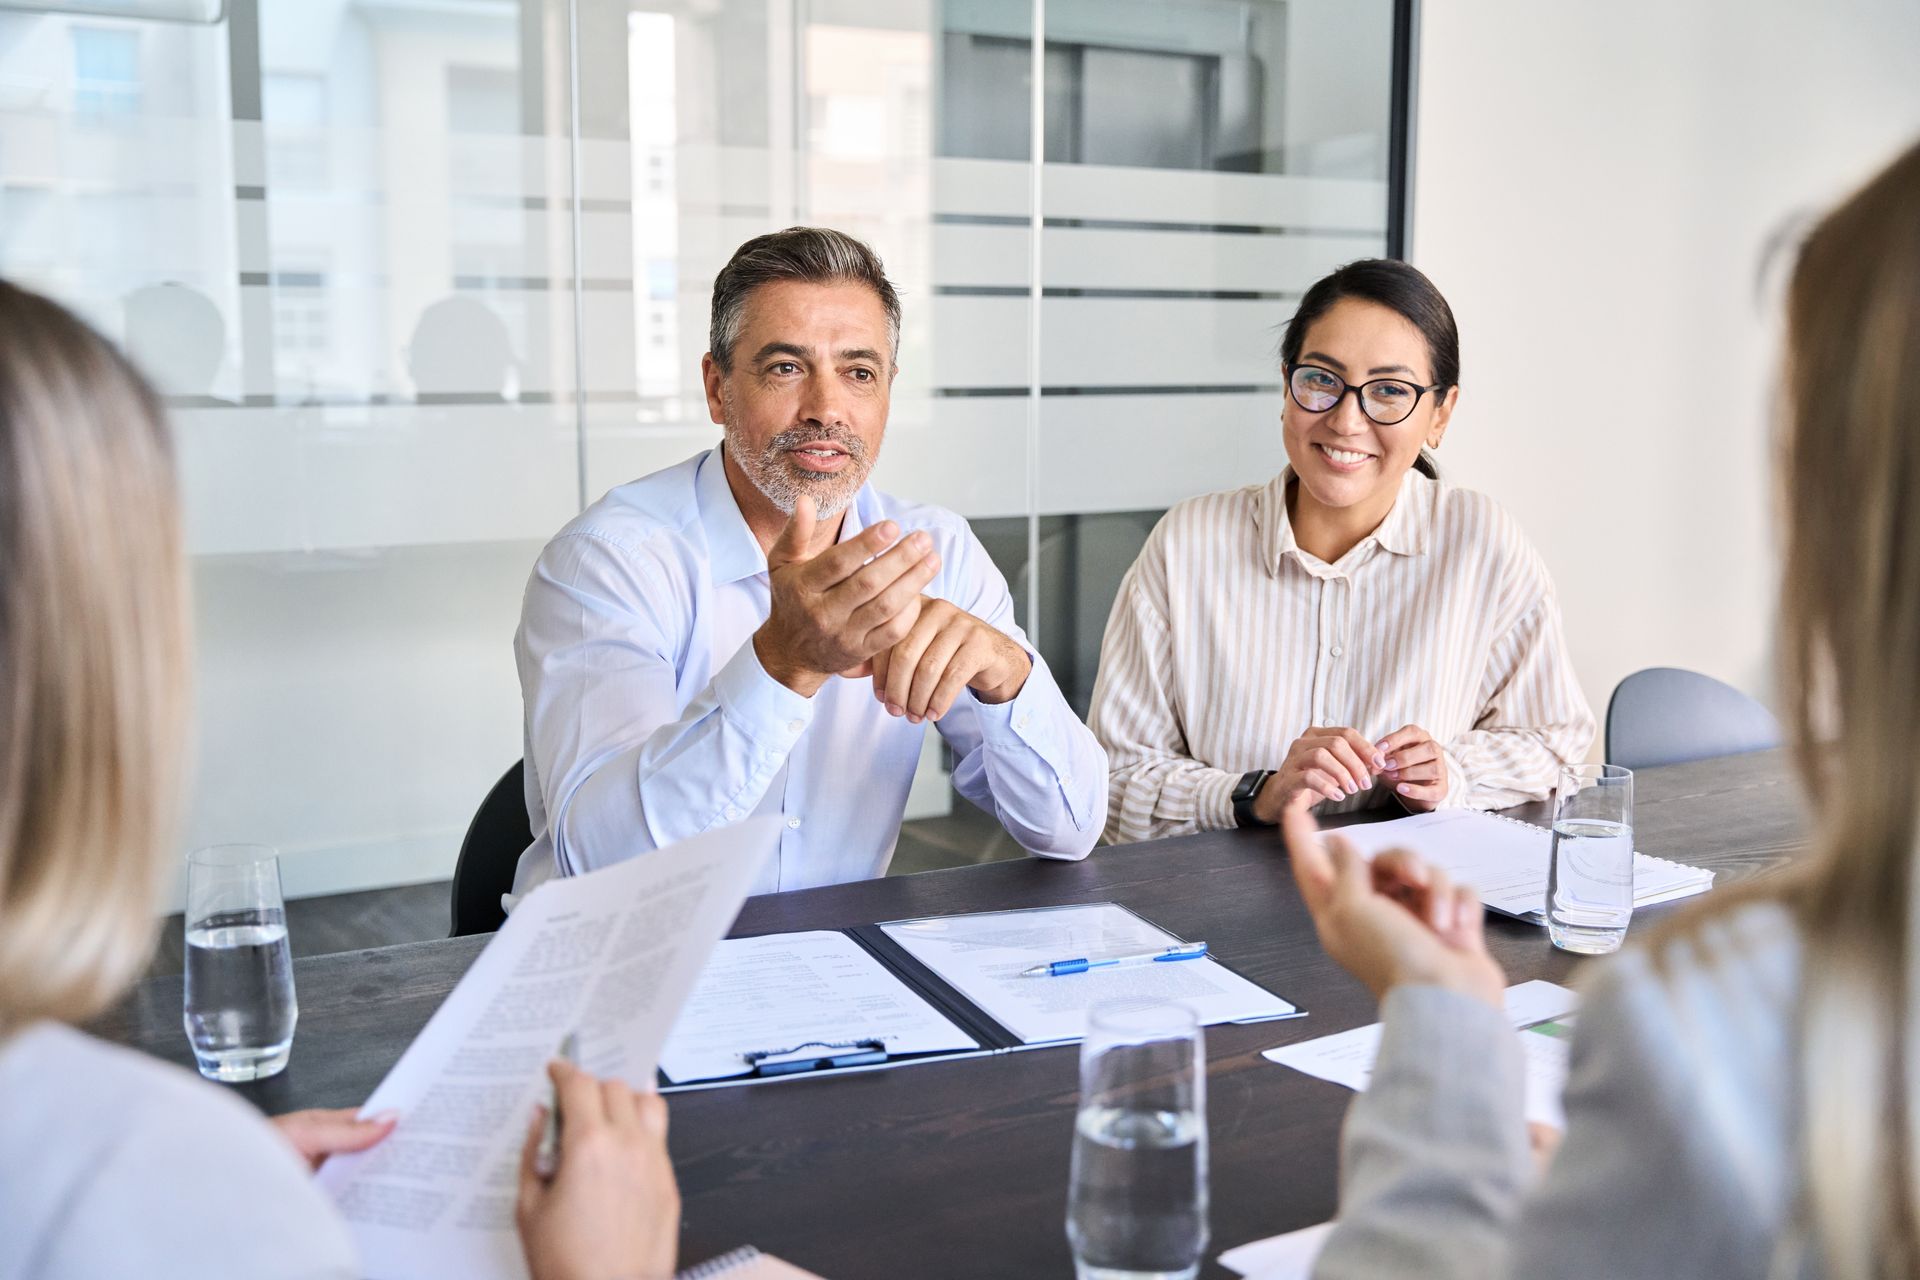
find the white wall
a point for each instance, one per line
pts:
(1594, 185)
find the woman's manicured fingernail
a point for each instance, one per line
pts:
(894, 709)
(1404, 789)
(1379, 762)
(1390, 765)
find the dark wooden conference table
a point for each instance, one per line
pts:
(959, 1169)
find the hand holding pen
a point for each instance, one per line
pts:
(609, 1206)
(1060, 968)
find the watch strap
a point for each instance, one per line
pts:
(1244, 793)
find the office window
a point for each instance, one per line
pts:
(297, 142)
(106, 71)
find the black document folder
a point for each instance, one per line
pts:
(994, 1016)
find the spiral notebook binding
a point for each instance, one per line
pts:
(724, 1265)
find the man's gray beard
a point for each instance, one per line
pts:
(782, 483)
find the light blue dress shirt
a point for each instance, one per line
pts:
(650, 719)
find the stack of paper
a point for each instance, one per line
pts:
(1506, 859)
(789, 989)
(1287, 1257)
(985, 957)
(1541, 1011)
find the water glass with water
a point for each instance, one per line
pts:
(1137, 1200)
(1590, 876)
(240, 1008)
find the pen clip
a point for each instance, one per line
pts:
(780, 1062)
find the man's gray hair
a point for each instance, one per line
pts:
(819, 255)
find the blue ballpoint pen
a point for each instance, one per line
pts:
(1184, 951)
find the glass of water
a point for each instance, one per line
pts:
(239, 1009)
(1590, 876)
(1137, 1200)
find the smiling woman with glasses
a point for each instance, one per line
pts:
(1354, 628)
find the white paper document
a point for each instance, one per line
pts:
(790, 989)
(1287, 1257)
(610, 956)
(1540, 1011)
(982, 957)
(1505, 860)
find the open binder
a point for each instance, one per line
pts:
(948, 1001)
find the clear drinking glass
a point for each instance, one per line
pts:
(239, 1008)
(1590, 875)
(1137, 1200)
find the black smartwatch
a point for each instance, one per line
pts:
(1243, 793)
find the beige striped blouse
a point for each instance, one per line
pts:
(1228, 641)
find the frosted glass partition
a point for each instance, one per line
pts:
(338, 236)
(1200, 176)
(836, 129)
(419, 280)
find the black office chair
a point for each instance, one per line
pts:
(497, 836)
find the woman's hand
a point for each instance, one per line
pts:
(319, 1134)
(1328, 764)
(611, 1208)
(1397, 920)
(1415, 766)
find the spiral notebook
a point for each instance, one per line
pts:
(746, 1263)
(1506, 859)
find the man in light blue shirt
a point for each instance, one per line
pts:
(759, 631)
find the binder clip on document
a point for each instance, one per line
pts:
(808, 1056)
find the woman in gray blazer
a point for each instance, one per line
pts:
(113, 1164)
(1745, 1088)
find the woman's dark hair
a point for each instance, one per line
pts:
(1401, 288)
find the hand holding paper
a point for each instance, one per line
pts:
(611, 1206)
(612, 954)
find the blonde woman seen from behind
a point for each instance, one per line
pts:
(113, 1164)
(1745, 1093)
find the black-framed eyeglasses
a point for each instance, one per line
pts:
(1385, 400)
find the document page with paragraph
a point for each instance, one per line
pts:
(609, 957)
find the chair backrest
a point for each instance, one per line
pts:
(497, 836)
(1665, 715)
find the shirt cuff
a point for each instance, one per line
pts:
(1029, 717)
(1037, 719)
(757, 704)
(1213, 800)
(1458, 785)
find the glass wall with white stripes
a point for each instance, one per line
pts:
(420, 278)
